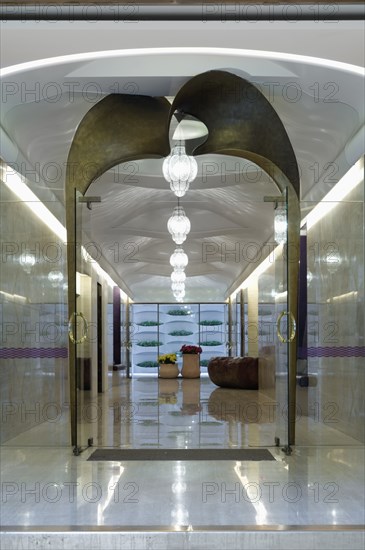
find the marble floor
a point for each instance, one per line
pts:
(319, 487)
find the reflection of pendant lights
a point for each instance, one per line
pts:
(333, 261)
(178, 225)
(179, 259)
(55, 277)
(179, 170)
(27, 261)
(280, 224)
(178, 277)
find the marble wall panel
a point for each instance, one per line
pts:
(336, 353)
(335, 321)
(33, 317)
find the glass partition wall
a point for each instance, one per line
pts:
(33, 316)
(331, 373)
(163, 328)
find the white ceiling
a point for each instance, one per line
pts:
(321, 107)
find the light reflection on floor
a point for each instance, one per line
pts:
(316, 485)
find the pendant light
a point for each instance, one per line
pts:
(179, 259)
(177, 287)
(179, 170)
(178, 225)
(179, 294)
(178, 277)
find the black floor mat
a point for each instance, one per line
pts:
(120, 455)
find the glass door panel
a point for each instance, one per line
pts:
(80, 333)
(330, 389)
(33, 315)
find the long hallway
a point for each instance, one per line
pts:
(182, 188)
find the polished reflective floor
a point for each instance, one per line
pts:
(317, 485)
(147, 412)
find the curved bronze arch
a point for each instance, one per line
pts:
(241, 122)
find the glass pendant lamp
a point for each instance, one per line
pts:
(179, 259)
(178, 277)
(178, 225)
(179, 170)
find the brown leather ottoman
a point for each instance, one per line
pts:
(235, 372)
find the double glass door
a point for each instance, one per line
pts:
(90, 415)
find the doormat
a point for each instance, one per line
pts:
(121, 455)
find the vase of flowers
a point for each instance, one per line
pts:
(168, 366)
(191, 361)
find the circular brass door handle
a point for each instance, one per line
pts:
(71, 335)
(293, 325)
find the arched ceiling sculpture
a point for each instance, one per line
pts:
(240, 120)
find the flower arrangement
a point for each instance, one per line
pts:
(190, 349)
(167, 359)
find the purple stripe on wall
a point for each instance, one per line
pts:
(33, 353)
(302, 302)
(340, 351)
(116, 326)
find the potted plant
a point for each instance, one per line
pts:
(168, 366)
(191, 361)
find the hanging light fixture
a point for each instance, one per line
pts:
(178, 277)
(179, 294)
(178, 225)
(177, 287)
(179, 259)
(179, 170)
(280, 224)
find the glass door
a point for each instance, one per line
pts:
(81, 332)
(280, 310)
(285, 313)
(34, 395)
